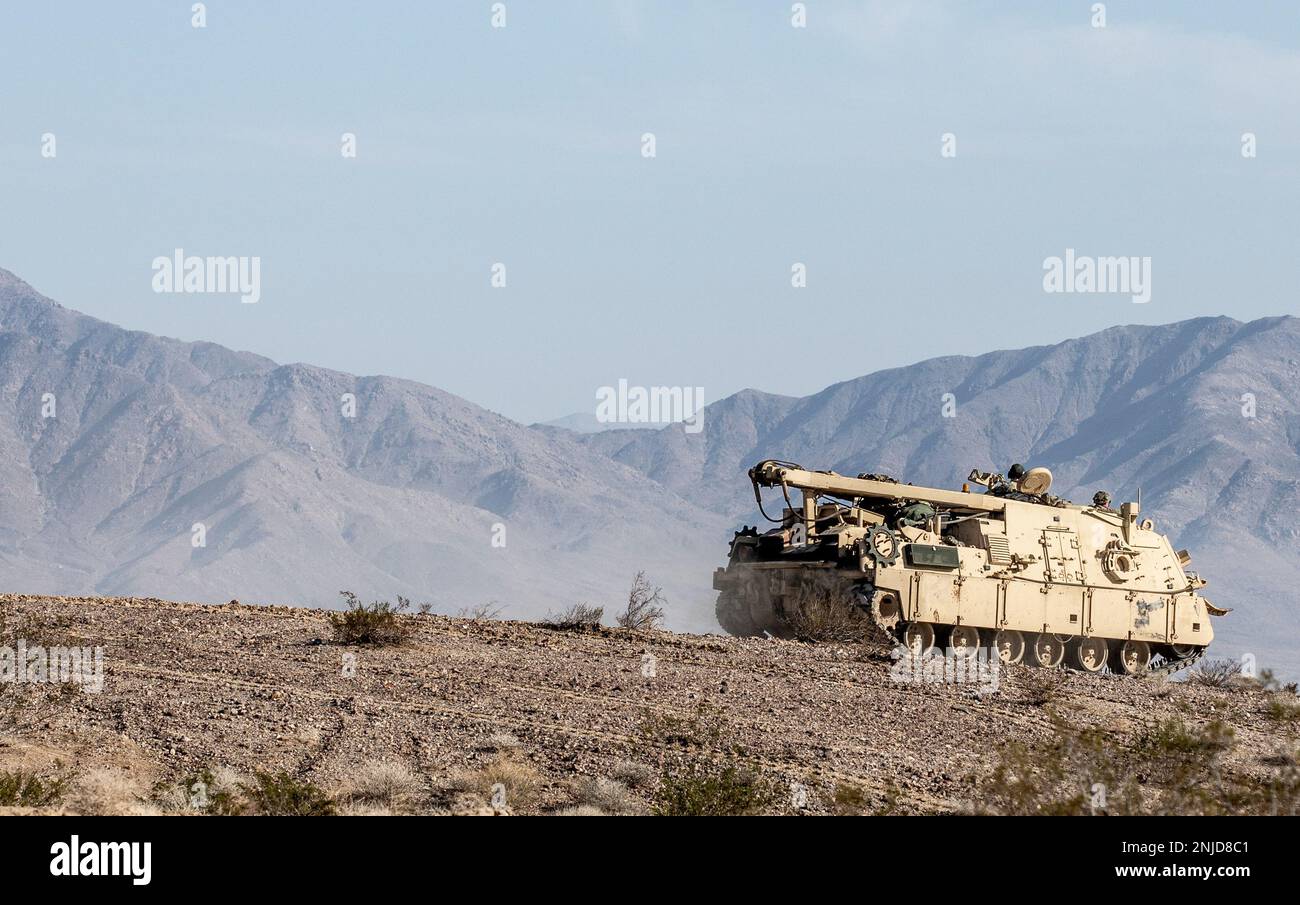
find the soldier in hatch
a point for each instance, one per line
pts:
(1010, 488)
(1007, 486)
(1101, 500)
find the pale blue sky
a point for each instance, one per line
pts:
(775, 145)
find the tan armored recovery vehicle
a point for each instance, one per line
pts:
(1045, 582)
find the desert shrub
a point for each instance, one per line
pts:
(378, 623)
(848, 800)
(703, 727)
(26, 789)
(644, 610)
(224, 786)
(507, 782)
(609, 796)
(581, 810)
(1041, 687)
(1283, 708)
(214, 792)
(851, 800)
(580, 616)
(1277, 796)
(632, 774)
(107, 791)
(283, 795)
(1268, 681)
(362, 809)
(1169, 768)
(701, 787)
(482, 612)
(1175, 740)
(1070, 775)
(1215, 673)
(820, 613)
(382, 785)
(708, 774)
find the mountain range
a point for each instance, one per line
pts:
(141, 465)
(154, 445)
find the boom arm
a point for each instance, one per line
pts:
(771, 473)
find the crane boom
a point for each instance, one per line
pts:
(773, 474)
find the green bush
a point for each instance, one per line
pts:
(704, 728)
(283, 795)
(379, 623)
(708, 775)
(580, 616)
(1283, 708)
(212, 796)
(28, 790)
(700, 787)
(1170, 768)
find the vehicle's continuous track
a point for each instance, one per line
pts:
(885, 628)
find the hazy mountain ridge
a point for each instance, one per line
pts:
(588, 423)
(152, 436)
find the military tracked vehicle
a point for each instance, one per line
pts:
(1043, 581)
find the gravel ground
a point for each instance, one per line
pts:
(189, 687)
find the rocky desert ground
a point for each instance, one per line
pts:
(256, 709)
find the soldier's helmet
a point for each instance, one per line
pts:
(1101, 499)
(1016, 472)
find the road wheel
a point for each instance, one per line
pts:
(1131, 658)
(919, 638)
(964, 640)
(1010, 645)
(1089, 654)
(1046, 651)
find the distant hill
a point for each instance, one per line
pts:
(152, 436)
(588, 423)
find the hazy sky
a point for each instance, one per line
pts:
(774, 145)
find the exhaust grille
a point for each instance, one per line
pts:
(999, 549)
